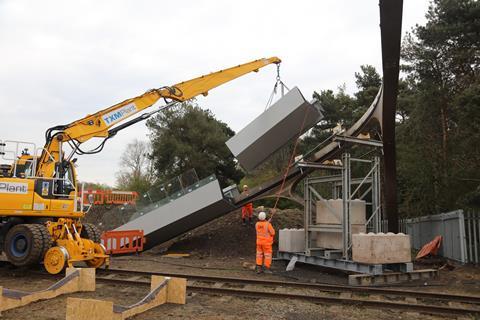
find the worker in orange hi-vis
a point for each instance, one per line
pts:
(265, 234)
(247, 209)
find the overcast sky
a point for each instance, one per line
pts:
(61, 60)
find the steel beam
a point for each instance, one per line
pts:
(368, 142)
(344, 265)
(391, 33)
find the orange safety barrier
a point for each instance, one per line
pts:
(121, 242)
(110, 197)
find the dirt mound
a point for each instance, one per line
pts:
(227, 237)
(109, 217)
(222, 237)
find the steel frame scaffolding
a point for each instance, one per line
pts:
(343, 185)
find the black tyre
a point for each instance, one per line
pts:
(24, 244)
(47, 239)
(91, 232)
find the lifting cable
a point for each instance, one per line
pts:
(278, 82)
(289, 165)
(281, 84)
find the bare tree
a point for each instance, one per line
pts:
(135, 167)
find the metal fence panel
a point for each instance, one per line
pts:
(460, 231)
(472, 235)
(449, 225)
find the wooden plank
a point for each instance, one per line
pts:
(177, 290)
(89, 309)
(164, 289)
(84, 281)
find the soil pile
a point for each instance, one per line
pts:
(109, 217)
(222, 237)
(228, 237)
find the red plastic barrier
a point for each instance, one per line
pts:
(110, 197)
(121, 242)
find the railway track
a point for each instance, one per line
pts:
(374, 297)
(405, 300)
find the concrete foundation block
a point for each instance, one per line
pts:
(331, 211)
(381, 248)
(333, 240)
(291, 240)
(274, 128)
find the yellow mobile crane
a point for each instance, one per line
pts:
(40, 206)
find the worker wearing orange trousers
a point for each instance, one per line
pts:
(265, 234)
(247, 210)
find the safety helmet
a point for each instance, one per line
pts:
(245, 186)
(262, 216)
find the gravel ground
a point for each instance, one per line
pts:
(225, 247)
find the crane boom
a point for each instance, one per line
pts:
(99, 123)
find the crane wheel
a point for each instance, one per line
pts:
(91, 232)
(97, 262)
(24, 244)
(47, 239)
(55, 260)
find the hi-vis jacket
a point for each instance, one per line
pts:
(265, 232)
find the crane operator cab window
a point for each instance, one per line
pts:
(22, 167)
(65, 178)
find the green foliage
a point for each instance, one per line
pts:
(438, 112)
(368, 81)
(438, 133)
(282, 204)
(188, 137)
(342, 109)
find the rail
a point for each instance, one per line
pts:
(272, 289)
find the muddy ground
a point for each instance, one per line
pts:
(226, 247)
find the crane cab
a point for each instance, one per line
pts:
(25, 194)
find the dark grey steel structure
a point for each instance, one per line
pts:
(191, 210)
(283, 121)
(391, 34)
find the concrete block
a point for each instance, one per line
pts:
(291, 240)
(274, 128)
(331, 211)
(333, 240)
(381, 248)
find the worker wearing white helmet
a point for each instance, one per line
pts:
(265, 234)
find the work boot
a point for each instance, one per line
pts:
(258, 269)
(267, 270)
